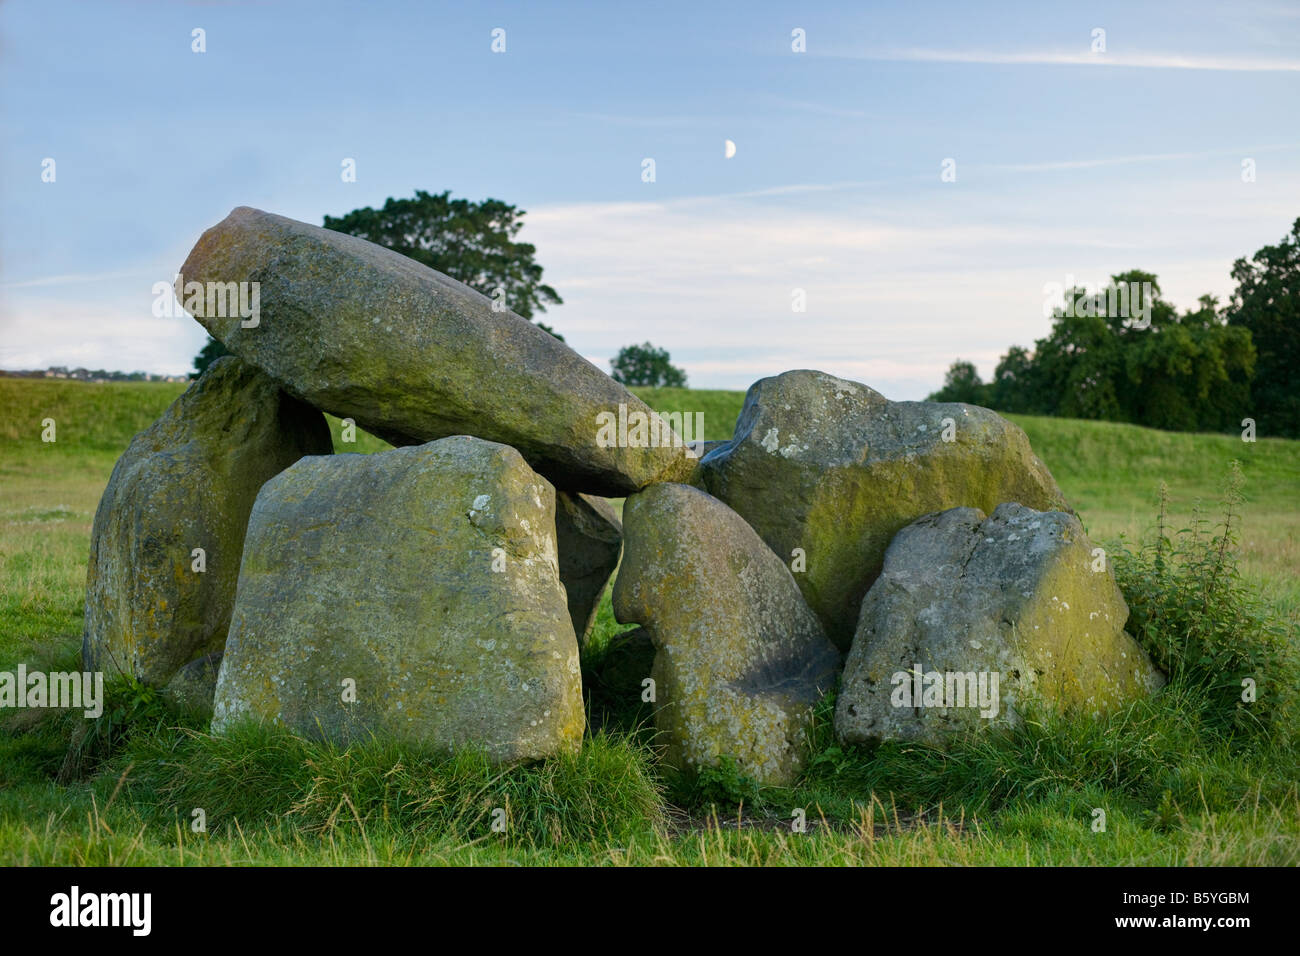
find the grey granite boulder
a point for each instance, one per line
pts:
(194, 685)
(740, 659)
(974, 618)
(412, 594)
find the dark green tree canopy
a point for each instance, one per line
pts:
(1013, 381)
(473, 242)
(1267, 304)
(962, 384)
(1188, 372)
(211, 351)
(646, 365)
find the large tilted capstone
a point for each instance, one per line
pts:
(975, 617)
(413, 594)
(412, 355)
(741, 660)
(827, 470)
(169, 531)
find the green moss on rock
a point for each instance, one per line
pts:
(834, 469)
(1019, 595)
(186, 482)
(740, 659)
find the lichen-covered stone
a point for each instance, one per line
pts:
(834, 469)
(412, 355)
(194, 685)
(411, 594)
(589, 537)
(187, 482)
(1015, 605)
(740, 660)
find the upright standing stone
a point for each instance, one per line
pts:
(169, 530)
(741, 661)
(411, 355)
(412, 594)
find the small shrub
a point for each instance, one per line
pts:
(722, 787)
(1206, 629)
(129, 707)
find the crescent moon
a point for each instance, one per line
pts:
(729, 150)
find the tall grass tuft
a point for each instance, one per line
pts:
(1207, 630)
(257, 775)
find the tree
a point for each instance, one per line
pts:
(211, 351)
(469, 241)
(1015, 386)
(1127, 357)
(646, 365)
(962, 384)
(1267, 303)
(1192, 374)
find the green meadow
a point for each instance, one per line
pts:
(1192, 776)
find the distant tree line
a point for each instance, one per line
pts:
(1205, 369)
(87, 375)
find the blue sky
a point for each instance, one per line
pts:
(1069, 162)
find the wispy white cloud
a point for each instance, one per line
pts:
(895, 291)
(1134, 59)
(114, 334)
(801, 189)
(792, 189)
(72, 279)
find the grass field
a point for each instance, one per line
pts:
(1175, 789)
